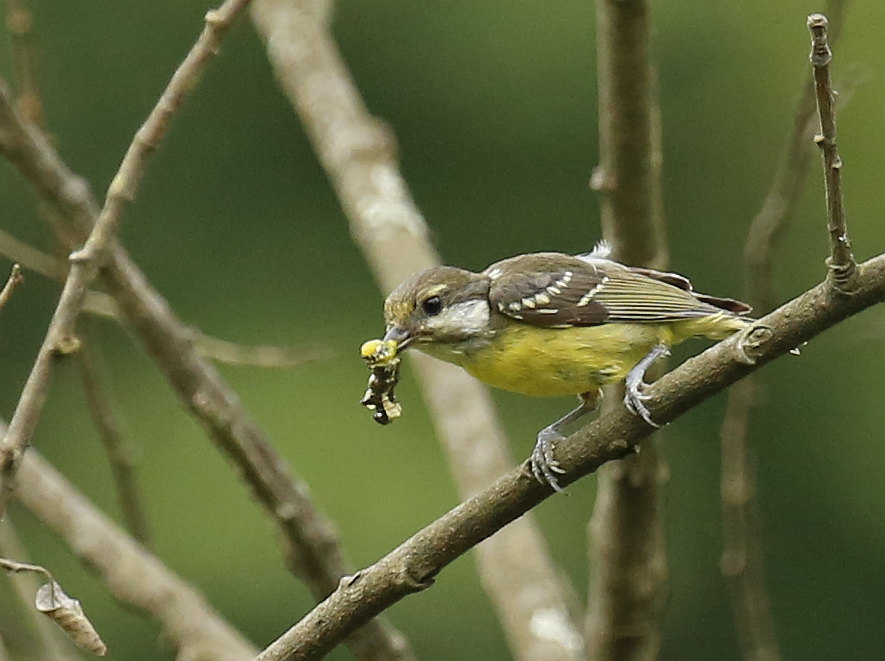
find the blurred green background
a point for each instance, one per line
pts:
(495, 111)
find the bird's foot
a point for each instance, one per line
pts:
(634, 398)
(544, 466)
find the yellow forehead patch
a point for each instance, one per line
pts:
(436, 289)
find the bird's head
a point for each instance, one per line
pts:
(442, 304)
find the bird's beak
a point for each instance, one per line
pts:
(402, 336)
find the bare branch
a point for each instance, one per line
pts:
(841, 260)
(313, 550)
(628, 568)
(15, 566)
(31, 258)
(262, 355)
(51, 600)
(624, 177)
(414, 564)
(358, 153)
(14, 280)
(60, 338)
(47, 640)
(124, 185)
(101, 305)
(132, 574)
(742, 558)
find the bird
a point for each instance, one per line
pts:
(550, 324)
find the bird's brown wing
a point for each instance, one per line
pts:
(559, 291)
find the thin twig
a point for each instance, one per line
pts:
(60, 338)
(312, 551)
(124, 184)
(32, 259)
(359, 155)
(628, 567)
(742, 562)
(36, 261)
(15, 566)
(414, 564)
(132, 574)
(48, 641)
(841, 261)
(262, 355)
(119, 450)
(14, 280)
(216, 349)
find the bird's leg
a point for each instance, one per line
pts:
(544, 466)
(633, 397)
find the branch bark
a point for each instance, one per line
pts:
(841, 258)
(60, 338)
(359, 155)
(628, 567)
(14, 280)
(313, 550)
(742, 562)
(132, 574)
(415, 563)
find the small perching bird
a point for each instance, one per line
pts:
(546, 325)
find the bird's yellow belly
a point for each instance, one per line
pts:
(546, 362)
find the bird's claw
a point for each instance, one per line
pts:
(634, 400)
(542, 462)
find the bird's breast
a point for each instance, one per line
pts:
(553, 362)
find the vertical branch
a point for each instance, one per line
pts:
(628, 554)
(625, 177)
(742, 557)
(358, 153)
(841, 261)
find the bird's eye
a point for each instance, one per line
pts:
(431, 306)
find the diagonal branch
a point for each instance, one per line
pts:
(313, 550)
(742, 562)
(414, 564)
(14, 280)
(358, 153)
(85, 263)
(132, 574)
